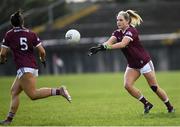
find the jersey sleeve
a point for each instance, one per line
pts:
(5, 42)
(36, 40)
(115, 34)
(130, 34)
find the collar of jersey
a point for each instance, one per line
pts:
(123, 31)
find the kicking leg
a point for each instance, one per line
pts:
(28, 82)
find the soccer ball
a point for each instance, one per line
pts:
(72, 36)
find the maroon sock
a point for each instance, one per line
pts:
(10, 116)
(57, 91)
(9, 119)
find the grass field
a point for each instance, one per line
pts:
(98, 99)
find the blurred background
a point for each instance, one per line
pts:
(95, 20)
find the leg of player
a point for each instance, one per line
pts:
(15, 91)
(28, 81)
(131, 75)
(151, 79)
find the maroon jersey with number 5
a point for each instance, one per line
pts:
(134, 52)
(22, 42)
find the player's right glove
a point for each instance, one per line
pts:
(95, 49)
(100, 47)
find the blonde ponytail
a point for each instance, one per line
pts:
(135, 19)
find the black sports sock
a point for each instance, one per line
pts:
(168, 104)
(144, 101)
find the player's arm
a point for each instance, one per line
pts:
(42, 54)
(110, 41)
(101, 47)
(3, 55)
(125, 41)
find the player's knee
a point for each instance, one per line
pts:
(14, 92)
(127, 86)
(33, 96)
(154, 88)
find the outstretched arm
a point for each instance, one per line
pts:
(110, 41)
(110, 44)
(3, 55)
(101, 47)
(125, 41)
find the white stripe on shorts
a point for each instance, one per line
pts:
(147, 68)
(23, 70)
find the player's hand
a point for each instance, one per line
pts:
(95, 49)
(43, 63)
(3, 61)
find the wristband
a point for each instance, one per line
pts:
(106, 46)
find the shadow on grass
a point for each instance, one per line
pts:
(161, 115)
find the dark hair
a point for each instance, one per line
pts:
(17, 19)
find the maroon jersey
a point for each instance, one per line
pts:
(134, 52)
(22, 41)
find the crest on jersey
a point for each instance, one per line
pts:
(128, 33)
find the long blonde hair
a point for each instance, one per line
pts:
(131, 16)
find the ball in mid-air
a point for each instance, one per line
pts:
(72, 36)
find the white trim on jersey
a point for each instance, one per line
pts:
(38, 44)
(4, 46)
(129, 38)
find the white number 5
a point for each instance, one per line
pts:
(23, 42)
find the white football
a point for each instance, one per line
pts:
(72, 36)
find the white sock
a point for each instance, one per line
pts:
(53, 91)
(166, 100)
(140, 97)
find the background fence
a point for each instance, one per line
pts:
(96, 21)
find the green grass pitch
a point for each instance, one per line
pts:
(98, 100)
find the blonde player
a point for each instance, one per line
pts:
(126, 38)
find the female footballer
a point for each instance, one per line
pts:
(139, 61)
(22, 42)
